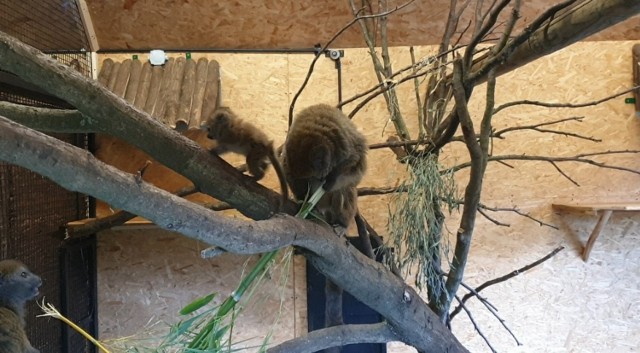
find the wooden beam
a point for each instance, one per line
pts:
(88, 26)
(602, 221)
(636, 76)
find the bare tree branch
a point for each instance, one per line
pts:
(324, 48)
(475, 325)
(564, 105)
(504, 278)
(518, 212)
(471, 195)
(555, 29)
(368, 191)
(491, 219)
(579, 158)
(383, 69)
(536, 127)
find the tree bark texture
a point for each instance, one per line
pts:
(368, 281)
(105, 112)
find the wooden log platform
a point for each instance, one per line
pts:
(179, 94)
(603, 210)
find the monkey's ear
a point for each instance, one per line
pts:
(320, 158)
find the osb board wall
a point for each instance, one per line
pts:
(202, 24)
(565, 305)
(146, 277)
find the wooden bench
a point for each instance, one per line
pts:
(604, 209)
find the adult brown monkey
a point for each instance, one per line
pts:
(324, 148)
(17, 286)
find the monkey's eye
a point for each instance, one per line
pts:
(23, 274)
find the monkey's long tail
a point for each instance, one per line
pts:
(283, 181)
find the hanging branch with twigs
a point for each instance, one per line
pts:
(357, 17)
(382, 66)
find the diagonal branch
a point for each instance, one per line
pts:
(105, 112)
(554, 30)
(504, 278)
(475, 324)
(77, 170)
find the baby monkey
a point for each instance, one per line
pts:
(232, 134)
(17, 286)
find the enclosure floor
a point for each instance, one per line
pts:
(564, 305)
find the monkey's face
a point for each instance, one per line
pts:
(218, 126)
(17, 281)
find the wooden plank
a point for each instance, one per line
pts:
(198, 94)
(105, 72)
(123, 78)
(134, 81)
(210, 100)
(594, 207)
(143, 86)
(172, 94)
(636, 75)
(88, 26)
(602, 221)
(157, 73)
(160, 106)
(186, 96)
(113, 75)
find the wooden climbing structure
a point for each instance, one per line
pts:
(179, 94)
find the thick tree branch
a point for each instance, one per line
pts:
(471, 195)
(77, 170)
(108, 113)
(554, 30)
(546, 34)
(46, 119)
(337, 336)
(89, 226)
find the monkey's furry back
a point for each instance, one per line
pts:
(323, 145)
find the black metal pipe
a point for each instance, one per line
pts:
(339, 69)
(217, 50)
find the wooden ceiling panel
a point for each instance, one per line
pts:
(275, 24)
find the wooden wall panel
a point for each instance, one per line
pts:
(203, 24)
(541, 306)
